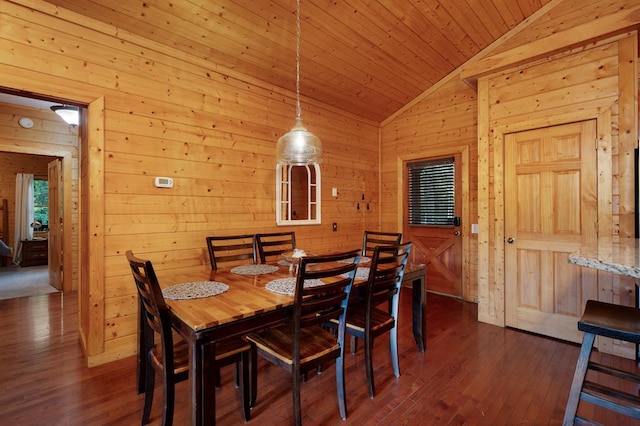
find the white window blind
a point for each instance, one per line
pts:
(432, 192)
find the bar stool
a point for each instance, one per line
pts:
(617, 322)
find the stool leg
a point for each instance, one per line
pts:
(578, 379)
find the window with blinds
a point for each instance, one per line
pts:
(432, 192)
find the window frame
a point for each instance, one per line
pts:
(45, 206)
(286, 187)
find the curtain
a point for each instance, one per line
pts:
(24, 213)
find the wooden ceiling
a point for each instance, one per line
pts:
(367, 57)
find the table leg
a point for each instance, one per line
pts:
(417, 276)
(420, 313)
(203, 384)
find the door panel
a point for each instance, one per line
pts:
(55, 223)
(439, 248)
(550, 212)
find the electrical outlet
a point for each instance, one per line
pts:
(335, 227)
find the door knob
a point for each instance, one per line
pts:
(456, 233)
(511, 240)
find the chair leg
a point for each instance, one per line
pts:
(368, 362)
(578, 379)
(393, 342)
(236, 374)
(254, 376)
(340, 387)
(148, 395)
(296, 378)
(244, 386)
(169, 399)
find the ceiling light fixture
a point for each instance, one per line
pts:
(70, 114)
(298, 146)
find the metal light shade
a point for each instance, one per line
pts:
(70, 114)
(299, 147)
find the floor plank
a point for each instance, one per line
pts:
(471, 373)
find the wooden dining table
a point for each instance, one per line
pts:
(245, 307)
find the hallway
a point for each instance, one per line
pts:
(23, 282)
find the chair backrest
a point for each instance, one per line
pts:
(315, 305)
(385, 275)
(372, 239)
(153, 309)
(275, 244)
(231, 248)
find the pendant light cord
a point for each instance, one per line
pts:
(298, 110)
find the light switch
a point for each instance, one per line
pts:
(334, 192)
(474, 228)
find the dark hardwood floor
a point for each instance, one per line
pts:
(471, 373)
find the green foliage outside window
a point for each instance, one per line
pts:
(41, 201)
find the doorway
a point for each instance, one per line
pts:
(47, 137)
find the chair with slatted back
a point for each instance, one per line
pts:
(170, 357)
(231, 248)
(616, 322)
(303, 344)
(372, 239)
(365, 318)
(272, 246)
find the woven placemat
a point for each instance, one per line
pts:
(287, 286)
(254, 269)
(363, 259)
(194, 290)
(361, 274)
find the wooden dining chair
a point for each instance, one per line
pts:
(170, 357)
(273, 245)
(377, 312)
(231, 248)
(303, 344)
(372, 239)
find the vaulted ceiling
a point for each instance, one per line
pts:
(367, 57)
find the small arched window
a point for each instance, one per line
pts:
(298, 194)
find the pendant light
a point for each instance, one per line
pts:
(298, 147)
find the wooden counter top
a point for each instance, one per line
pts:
(621, 257)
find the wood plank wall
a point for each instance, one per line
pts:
(441, 122)
(31, 149)
(443, 119)
(524, 86)
(167, 113)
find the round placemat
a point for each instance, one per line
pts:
(363, 259)
(254, 269)
(361, 274)
(287, 286)
(194, 290)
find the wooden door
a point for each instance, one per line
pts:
(55, 223)
(550, 212)
(439, 247)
